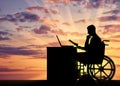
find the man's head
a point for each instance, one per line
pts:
(91, 30)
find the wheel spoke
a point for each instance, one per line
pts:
(108, 69)
(100, 75)
(96, 72)
(94, 68)
(106, 64)
(98, 65)
(105, 73)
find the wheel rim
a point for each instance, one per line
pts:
(105, 71)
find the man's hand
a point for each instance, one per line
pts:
(88, 37)
(79, 47)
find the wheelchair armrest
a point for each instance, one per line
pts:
(106, 40)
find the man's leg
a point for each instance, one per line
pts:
(82, 57)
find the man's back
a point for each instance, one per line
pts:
(94, 44)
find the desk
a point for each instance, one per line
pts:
(61, 65)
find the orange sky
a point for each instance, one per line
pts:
(33, 24)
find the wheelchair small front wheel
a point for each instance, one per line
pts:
(104, 71)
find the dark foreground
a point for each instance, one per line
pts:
(46, 83)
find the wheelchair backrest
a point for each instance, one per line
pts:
(101, 52)
(102, 48)
(99, 55)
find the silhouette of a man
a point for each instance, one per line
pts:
(92, 46)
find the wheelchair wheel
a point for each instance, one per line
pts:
(104, 71)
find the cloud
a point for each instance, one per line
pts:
(19, 29)
(118, 65)
(49, 21)
(95, 3)
(58, 31)
(20, 17)
(88, 4)
(7, 50)
(111, 28)
(37, 8)
(4, 35)
(4, 38)
(51, 44)
(45, 29)
(2, 19)
(42, 30)
(115, 11)
(35, 46)
(22, 28)
(109, 18)
(66, 23)
(10, 18)
(75, 34)
(31, 9)
(62, 32)
(114, 40)
(60, 1)
(26, 16)
(116, 36)
(42, 53)
(115, 56)
(117, 2)
(42, 11)
(54, 11)
(79, 21)
(9, 70)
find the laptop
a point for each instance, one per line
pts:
(61, 43)
(58, 40)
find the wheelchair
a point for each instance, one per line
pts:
(100, 70)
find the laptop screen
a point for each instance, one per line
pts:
(58, 40)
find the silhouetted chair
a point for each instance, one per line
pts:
(102, 67)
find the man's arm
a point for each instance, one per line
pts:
(76, 44)
(80, 47)
(87, 42)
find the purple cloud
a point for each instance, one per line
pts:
(10, 18)
(4, 35)
(9, 70)
(54, 11)
(116, 11)
(35, 8)
(108, 18)
(95, 3)
(38, 8)
(30, 16)
(42, 30)
(20, 17)
(111, 28)
(7, 50)
(4, 38)
(80, 21)
(117, 2)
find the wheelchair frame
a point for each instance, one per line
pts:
(101, 71)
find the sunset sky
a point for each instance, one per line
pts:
(27, 27)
